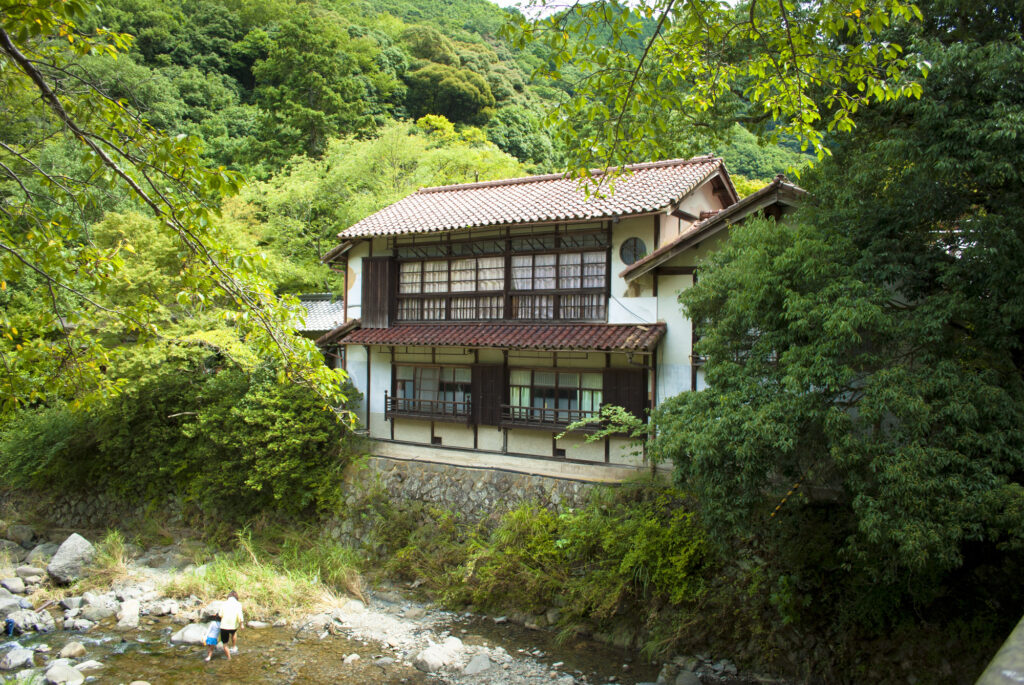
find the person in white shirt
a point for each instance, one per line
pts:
(231, 621)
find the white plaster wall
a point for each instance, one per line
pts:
(490, 438)
(674, 351)
(633, 310)
(454, 434)
(380, 382)
(576, 447)
(619, 453)
(641, 227)
(355, 360)
(411, 430)
(524, 441)
(354, 294)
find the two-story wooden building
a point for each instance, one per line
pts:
(483, 318)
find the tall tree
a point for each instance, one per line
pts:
(808, 67)
(48, 258)
(872, 354)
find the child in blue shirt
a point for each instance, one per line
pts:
(212, 634)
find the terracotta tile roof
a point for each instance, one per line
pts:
(516, 336)
(646, 188)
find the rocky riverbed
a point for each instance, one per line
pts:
(132, 632)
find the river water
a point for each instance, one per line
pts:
(281, 655)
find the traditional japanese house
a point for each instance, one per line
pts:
(483, 318)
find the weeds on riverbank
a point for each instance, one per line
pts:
(110, 564)
(276, 575)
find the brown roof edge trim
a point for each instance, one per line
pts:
(331, 335)
(778, 190)
(339, 250)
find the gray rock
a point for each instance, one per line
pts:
(212, 609)
(8, 605)
(138, 682)
(167, 607)
(5, 593)
(60, 674)
(258, 625)
(90, 665)
(96, 614)
(25, 572)
(69, 563)
(128, 616)
(13, 585)
(17, 658)
(72, 650)
(435, 657)
(192, 634)
(42, 553)
(97, 600)
(22, 534)
(26, 620)
(78, 624)
(12, 550)
(477, 664)
(687, 678)
(415, 613)
(71, 602)
(31, 675)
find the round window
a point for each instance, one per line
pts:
(632, 250)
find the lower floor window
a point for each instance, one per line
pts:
(433, 390)
(552, 396)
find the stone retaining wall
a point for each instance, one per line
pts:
(475, 493)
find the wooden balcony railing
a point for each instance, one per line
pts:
(435, 410)
(543, 417)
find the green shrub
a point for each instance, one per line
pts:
(232, 442)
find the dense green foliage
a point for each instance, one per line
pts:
(642, 72)
(226, 440)
(626, 550)
(871, 353)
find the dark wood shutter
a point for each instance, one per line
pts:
(488, 394)
(378, 306)
(626, 388)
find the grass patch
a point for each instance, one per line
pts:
(109, 566)
(275, 576)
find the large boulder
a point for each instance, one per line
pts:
(192, 634)
(17, 658)
(22, 534)
(435, 657)
(69, 563)
(61, 674)
(477, 664)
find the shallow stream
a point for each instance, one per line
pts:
(280, 655)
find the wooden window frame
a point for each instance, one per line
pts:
(550, 303)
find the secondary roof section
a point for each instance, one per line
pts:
(516, 336)
(552, 198)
